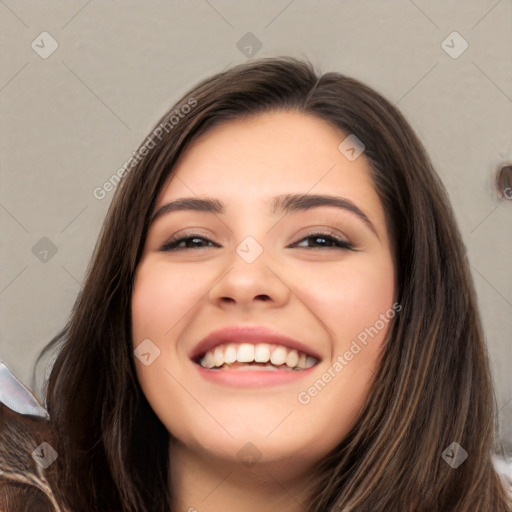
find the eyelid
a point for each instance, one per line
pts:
(322, 230)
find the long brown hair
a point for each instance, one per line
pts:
(433, 387)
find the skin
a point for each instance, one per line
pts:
(312, 291)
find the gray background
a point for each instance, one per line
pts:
(70, 120)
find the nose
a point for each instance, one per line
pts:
(244, 282)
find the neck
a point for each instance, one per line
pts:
(201, 483)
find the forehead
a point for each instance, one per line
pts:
(266, 154)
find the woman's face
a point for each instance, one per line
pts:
(249, 265)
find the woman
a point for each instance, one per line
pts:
(279, 315)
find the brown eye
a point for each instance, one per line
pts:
(322, 240)
(191, 242)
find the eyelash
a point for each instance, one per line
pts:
(172, 244)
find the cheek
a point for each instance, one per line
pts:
(356, 303)
(163, 301)
(351, 296)
(162, 296)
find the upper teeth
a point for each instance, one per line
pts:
(259, 353)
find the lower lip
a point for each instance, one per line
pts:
(253, 378)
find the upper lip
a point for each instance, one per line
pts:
(248, 334)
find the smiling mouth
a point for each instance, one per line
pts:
(260, 356)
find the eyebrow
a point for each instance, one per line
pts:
(286, 203)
